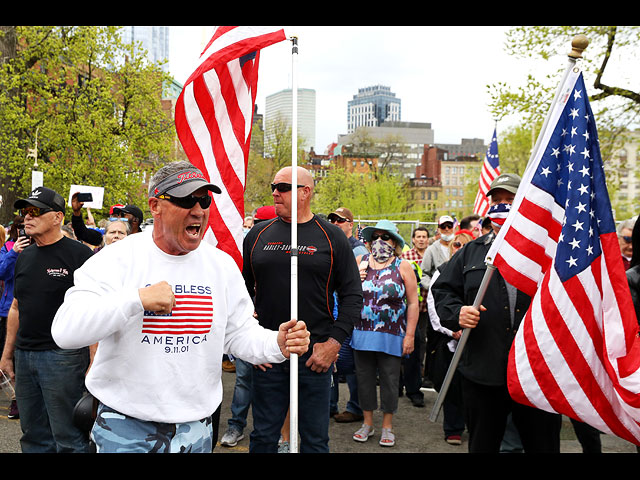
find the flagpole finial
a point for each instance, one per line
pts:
(578, 45)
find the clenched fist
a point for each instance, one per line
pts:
(158, 298)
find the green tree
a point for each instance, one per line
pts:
(390, 150)
(366, 197)
(95, 104)
(610, 83)
(276, 145)
(611, 48)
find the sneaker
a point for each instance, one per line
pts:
(231, 438)
(283, 447)
(453, 440)
(13, 410)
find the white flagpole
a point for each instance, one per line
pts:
(578, 44)
(293, 372)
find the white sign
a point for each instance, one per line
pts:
(96, 192)
(36, 179)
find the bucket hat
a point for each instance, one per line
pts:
(386, 225)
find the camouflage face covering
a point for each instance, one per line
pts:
(381, 250)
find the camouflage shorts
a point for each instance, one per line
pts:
(114, 432)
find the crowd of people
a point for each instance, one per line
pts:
(95, 325)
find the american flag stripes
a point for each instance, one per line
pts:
(213, 119)
(193, 314)
(490, 170)
(577, 350)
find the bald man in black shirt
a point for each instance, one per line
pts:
(325, 265)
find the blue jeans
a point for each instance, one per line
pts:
(352, 403)
(271, 403)
(49, 383)
(241, 396)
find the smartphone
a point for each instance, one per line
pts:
(22, 233)
(85, 197)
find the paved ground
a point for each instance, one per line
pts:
(415, 433)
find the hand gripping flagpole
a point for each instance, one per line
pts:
(578, 45)
(293, 372)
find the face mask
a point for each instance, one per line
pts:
(498, 213)
(381, 250)
(447, 238)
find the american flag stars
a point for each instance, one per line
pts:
(565, 172)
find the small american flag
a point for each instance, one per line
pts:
(576, 351)
(213, 119)
(490, 170)
(192, 314)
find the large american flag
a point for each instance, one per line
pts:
(490, 170)
(213, 118)
(577, 350)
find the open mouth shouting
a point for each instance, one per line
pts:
(194, 229)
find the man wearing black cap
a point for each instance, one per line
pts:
(164, 307)
(342, 218)
(483, 365)
(132, 214)
(49, 380)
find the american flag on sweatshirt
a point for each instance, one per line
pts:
(490, 170)
(193, 314)
(213, 117)
(576, 351)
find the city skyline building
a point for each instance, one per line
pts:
(371, 107)
(403, 141)
(154, 39)
(278, 107)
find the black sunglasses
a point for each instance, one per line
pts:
(446, 225)
(34, 211)
(338, 220)
(282, 187)
(383, 236)
(188, 201)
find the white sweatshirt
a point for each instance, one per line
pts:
(161, 368)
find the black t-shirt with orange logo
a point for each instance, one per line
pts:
(325, 264)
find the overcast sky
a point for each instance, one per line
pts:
(440, 73)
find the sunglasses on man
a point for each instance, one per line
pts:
(34, 211)
(335, 219)
(446, 226)
(282, 187)
(187, 202)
